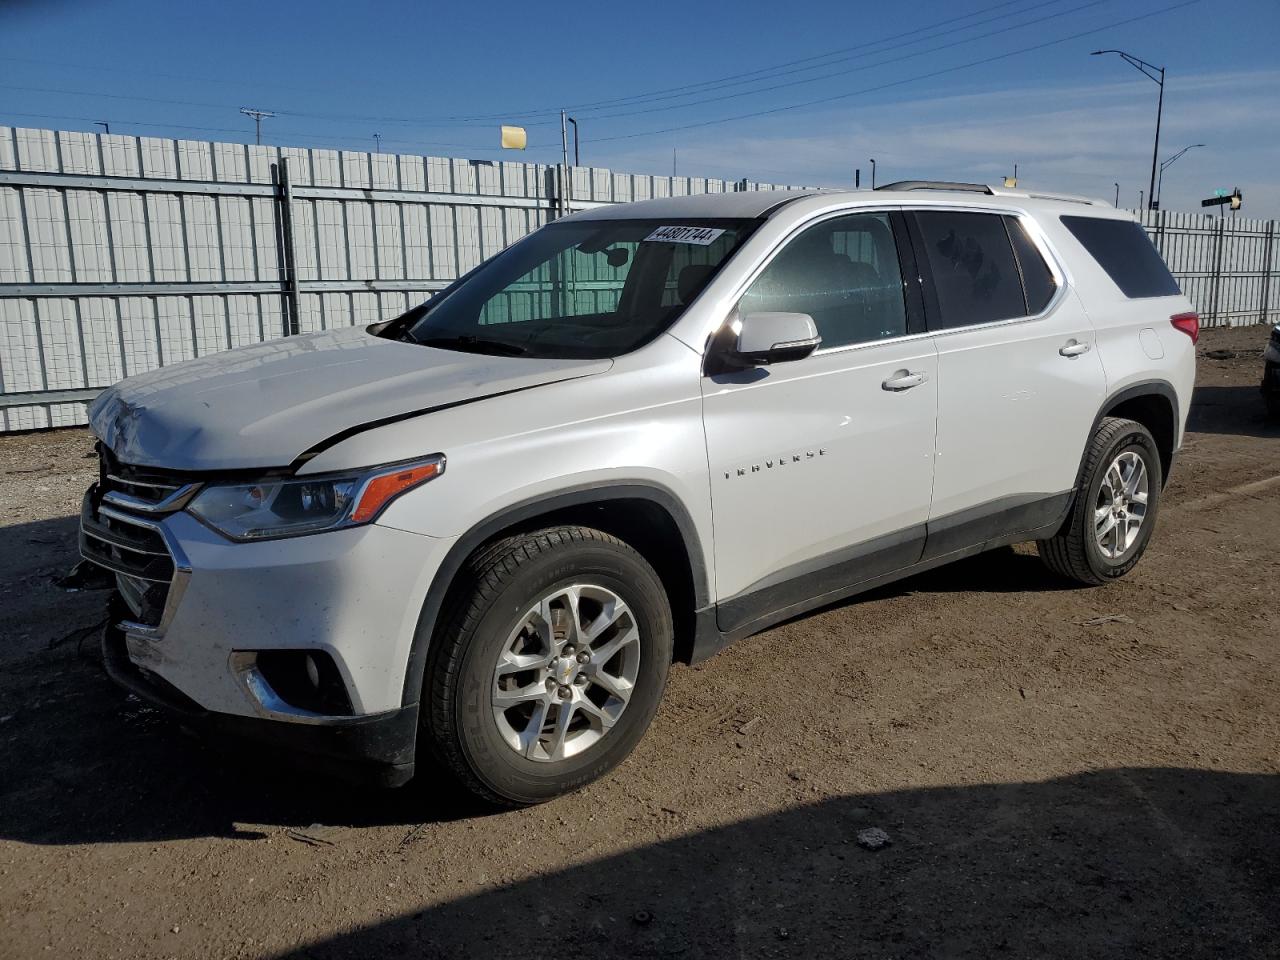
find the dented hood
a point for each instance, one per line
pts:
(267, 404)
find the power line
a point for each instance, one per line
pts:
(652, 96)
(855, 69)
(897, 83)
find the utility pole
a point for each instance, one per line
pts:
(576, 161)
(106, 127)
(564, 166)
(857, 178)
(377, 143)
(1155, 75)
(258, 117)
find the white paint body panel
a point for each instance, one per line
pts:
(1013, 413)
(812, 456)
(852, 461)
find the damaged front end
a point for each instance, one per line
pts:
(121, 534)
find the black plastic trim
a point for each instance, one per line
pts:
(1145, 388)
(846, 573)
(797, 585)
(526, 510)
(998, 518)
(377, 750)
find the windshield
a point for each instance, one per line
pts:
(584, 289)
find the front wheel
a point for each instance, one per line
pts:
(1115, 508)
(551, 665)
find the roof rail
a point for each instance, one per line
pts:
(938, 185)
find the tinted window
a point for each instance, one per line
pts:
(975, 277)
(1122, 248)
(1037, 278)
(844, 273)
(583, 288)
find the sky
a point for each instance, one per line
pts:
(800, 93)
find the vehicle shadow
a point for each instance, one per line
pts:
(1114, 863)
(113, 769)
(1236, 411)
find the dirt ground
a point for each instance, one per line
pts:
(1054, 783)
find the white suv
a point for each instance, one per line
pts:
(485, 529)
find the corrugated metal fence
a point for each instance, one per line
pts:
(119, 254)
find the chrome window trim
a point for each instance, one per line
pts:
(269, 705)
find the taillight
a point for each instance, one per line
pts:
(1188, 323)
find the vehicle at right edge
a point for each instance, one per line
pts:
(1271, 374)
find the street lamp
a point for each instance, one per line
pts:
(873, 173)
(1156, 75)
(1166, 163)
(576, 161)
(1117, 186)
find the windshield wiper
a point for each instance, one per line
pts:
(469, 344)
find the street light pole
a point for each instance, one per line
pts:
(1166, 163)
(576, 161)
(1156, 75)
(873, 173)
(1117, 186)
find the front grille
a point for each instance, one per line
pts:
(140, 488)
(119, 532)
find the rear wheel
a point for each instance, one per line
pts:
(1115, 509)
(550, 666)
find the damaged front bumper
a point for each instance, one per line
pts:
(227, 635)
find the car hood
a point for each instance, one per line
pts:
(265, 405)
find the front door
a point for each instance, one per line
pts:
(822, 468)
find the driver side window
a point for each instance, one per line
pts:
(844, 273)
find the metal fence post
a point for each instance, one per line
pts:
(288, 272)
(1217, 273)
(1264, 311)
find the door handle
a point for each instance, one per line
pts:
(903, 380)
(1073, 348)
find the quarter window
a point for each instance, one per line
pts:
(975, 276)
(1123, 249)
(844, 273)
(1037, 278)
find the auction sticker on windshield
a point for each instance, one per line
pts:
(703, 236)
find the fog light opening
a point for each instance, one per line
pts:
(307, 680)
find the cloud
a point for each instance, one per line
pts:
(1071, 138)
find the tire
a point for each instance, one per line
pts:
(1075, 551)
(501, 755)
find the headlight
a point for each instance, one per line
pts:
(292, 507)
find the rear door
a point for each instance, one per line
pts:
(1019, 377)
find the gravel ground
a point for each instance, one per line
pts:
(1058, 771)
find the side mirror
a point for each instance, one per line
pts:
(767, 338)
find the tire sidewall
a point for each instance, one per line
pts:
(1138, 440)
(491, 759)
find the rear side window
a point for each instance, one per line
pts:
(975, 276)
(1122, 248)
(1037, 278)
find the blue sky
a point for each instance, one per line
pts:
(830, 84)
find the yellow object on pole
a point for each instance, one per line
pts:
(514, 138)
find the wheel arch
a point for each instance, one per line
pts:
(648, 517)
(1154, 404)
